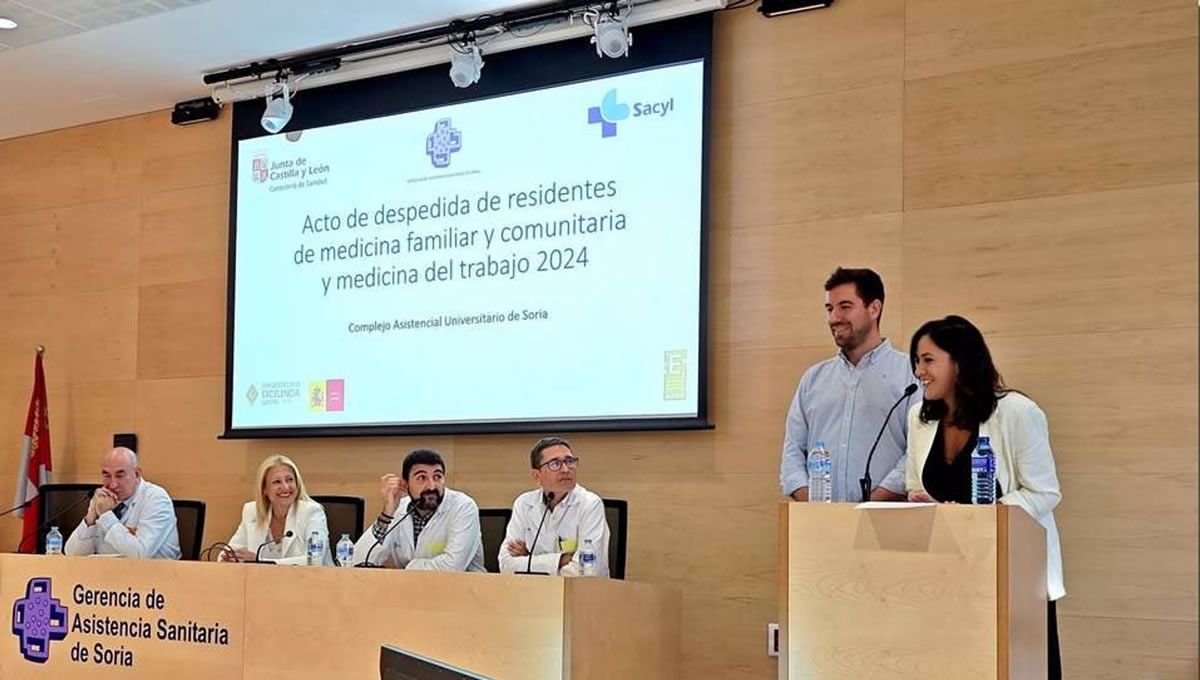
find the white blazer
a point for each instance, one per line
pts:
(1020, 438)
(578, 517)
(147, 529)
(450, 541)
(304, 517)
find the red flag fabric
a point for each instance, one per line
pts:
(35, 458)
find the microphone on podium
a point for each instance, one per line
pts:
(865, 482)
(264, 544)
(547, 499)
(413, 506)
(50, 520)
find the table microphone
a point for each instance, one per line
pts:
(60, 513)
(547, 499)
(264, 544)
(15, 508)
(865, 482)
(412, 507)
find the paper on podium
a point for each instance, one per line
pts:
(890, 505)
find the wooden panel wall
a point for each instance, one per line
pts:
(1028, 163)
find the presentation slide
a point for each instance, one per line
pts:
(524, 258)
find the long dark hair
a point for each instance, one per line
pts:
(979, 385)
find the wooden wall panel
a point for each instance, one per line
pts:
(185, 235)
(859, 45)
(818, 157)
(181, 329)
(1100, 648)
(949, 36)
(1100, 120)
(1018, 265)
(1029, 164)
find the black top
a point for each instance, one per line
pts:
(949, 481)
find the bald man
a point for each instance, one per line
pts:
(128, 516)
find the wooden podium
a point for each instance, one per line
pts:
(897, 590)
(83, 617)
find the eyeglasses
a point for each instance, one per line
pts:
(557, 464)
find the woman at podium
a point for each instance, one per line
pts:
(276, 525)
(966, 402)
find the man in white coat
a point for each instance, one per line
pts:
(127, 516)
(553, 522)
(423, 525)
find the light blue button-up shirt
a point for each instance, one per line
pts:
(844, 406)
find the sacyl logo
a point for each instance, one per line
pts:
(608, 114)
(38, 619)
(611, 111)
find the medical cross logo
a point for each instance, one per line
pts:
(443, 141)
(38, 619)
(607, 114)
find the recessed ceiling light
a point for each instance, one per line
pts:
(7, 24)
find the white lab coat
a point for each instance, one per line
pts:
(1020, 438)
(303, 518)
(450, 541)
(577, 517)
(146, 530)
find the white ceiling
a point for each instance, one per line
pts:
(81, 61)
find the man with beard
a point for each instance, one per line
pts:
(444, 530)
(843, 401)
(567, 515)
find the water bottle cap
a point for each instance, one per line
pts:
(820, 444)
(345, 535)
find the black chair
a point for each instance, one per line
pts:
(616, 512)
(189, 519)
(63, 506)
(493, 524)
(344, 514)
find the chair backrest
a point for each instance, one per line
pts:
(493, 523)
(344, 514)
(68, 502)
(616, 512)
(189, 519)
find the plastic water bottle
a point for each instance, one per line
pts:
(316, 549)
(54, 542)
(587, 558)
(983, 473)
(345, 551)
(820, 469)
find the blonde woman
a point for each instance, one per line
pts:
(276, 526)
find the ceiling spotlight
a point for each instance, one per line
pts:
(466, 65)
(279, 107)
(612, 37)
(7, 24)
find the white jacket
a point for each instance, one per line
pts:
(304, 517)
(146, 530)
(450, 541)
(1025, 471)
(576, 518)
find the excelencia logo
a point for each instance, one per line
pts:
(442, 142)
(38, 619)
(327, 395)
(611, 111)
